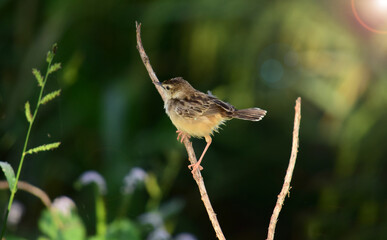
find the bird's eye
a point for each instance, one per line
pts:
(167, 87)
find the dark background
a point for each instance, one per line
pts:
(110, 118)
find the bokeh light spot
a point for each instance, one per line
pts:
(271, 71)
(371, 14)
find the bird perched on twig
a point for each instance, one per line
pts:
(198, 114)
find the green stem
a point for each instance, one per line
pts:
(100, 214)
(14, 189)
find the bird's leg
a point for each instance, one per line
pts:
(196, 166)
(181, 136)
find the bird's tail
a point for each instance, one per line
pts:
(250, 114)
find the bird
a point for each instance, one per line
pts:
(197, 114)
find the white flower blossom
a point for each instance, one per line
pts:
(16, 213)
(64, 205)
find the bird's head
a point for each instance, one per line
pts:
(176, 88)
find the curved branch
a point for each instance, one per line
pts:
(37, 192)
(146, 62)
(187, 143)
(288, 177)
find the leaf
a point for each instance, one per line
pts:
(42, 148)
(9, 174)
(38, 76)
(50, 96)
(123, 229)
(56, 225)
(28, 112)
(54, 67)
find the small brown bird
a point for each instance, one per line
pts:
(198, 114)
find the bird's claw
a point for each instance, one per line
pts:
(181, 136)
(195, 167)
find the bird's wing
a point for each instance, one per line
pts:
(190, 108)
(217, 106)
(201, 104)
(224, 105)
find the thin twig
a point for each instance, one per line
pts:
(203, 192)
(289, 172)
(187, 143)
(146, 62)
(39, 193)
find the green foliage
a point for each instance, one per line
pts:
(38, 76)
(100, 212)
(28, 112)
(55, 225)
(154, 190)
(15, 238)
(55, 67)
(123, 229)
(42, 148)
(251, 53)
(62, 221)
(9, 174)
(50, 96)
(12, 180)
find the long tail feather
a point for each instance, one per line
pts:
(250, 114)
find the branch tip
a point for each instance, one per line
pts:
(138, 26)
(285, 191)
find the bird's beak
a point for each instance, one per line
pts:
(158, 83)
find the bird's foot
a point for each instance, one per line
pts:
(195, 167)
(182, 135)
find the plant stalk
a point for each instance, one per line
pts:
(14, 189)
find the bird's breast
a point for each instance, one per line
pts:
(198, 126)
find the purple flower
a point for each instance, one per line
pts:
(159, 234)
(133, 179)
(185, 236)
(151, 218)
(93, 177)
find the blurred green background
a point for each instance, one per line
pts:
(110, 118)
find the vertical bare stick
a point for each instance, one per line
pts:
(187, 143)
(203, 192)
(289, 172)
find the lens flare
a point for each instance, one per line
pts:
(381, 3)
(371, 14)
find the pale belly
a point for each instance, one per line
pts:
(199, 127)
